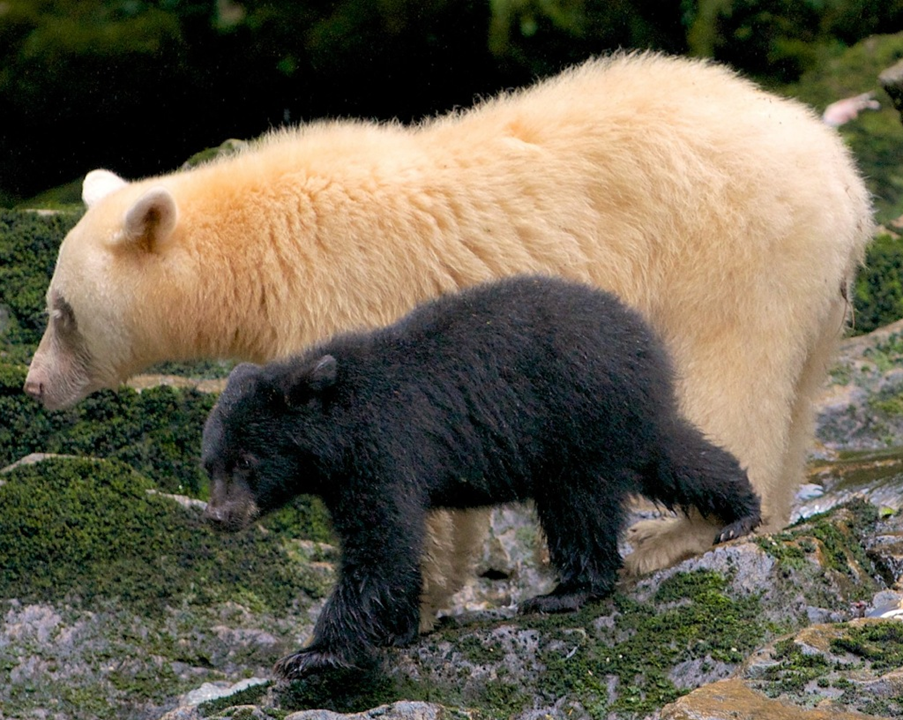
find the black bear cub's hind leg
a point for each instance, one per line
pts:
(581, 518)
(692, 472)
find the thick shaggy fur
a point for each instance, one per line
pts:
(731, 218)
(526, 388)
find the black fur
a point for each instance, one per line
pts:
(526, 388)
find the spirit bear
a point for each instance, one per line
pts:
(731, 218)
(525, 388)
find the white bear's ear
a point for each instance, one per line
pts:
(98, 184)
(151, 220)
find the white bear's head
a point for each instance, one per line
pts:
(92, 302)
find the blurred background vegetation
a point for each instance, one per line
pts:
(138, 86)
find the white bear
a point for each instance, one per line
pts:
(733, 219)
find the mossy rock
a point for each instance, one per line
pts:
(84, 529)
(612, 657)
(157, 431)
(852, 666)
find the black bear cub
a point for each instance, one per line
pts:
(530, 387)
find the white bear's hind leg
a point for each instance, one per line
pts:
(802, 421)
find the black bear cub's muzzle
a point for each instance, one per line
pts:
(228, 518)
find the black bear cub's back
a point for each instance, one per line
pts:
(512, 383)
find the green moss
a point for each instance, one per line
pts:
(345, 692)
(795, 669)
(805, 673)
(887, 354)
(892, 405)
(881, 644)
(156, 431)
(693, 617)
(829, 543)
(88, 529)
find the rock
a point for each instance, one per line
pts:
(853, 666)
(31, 459)
(861, 408)
(142, 382)
(396, 711)
(730, 631)
(825, 672)
(734, 700)
(183, 500)
(215, 691)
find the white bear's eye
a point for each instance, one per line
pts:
(62, 315)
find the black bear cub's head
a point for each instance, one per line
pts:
(262, 439)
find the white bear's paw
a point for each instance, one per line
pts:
(658, 544)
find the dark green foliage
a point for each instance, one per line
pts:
(878, 299)
(777, 40)
(875, 137)
(87, 529)
(881, 644)
(28, 247)
(138, 86)
(156, 431)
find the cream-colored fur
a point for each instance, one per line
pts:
(733, 219)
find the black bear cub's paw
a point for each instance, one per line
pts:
(312, 660)
(561, 600)
(742, 527)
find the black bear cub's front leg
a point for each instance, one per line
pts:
(376, 602)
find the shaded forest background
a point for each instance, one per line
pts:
(138, 86)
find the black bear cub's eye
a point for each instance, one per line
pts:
(244, 463)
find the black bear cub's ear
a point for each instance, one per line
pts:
(241, 379)
(309, 380)
(243, 370)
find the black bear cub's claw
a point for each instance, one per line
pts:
(311, 661)
(742, 527)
